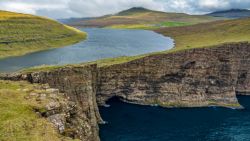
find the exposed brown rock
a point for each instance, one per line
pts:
(191, 78)
(51, 104)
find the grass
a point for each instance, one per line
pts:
(21, 34)
(100, 63)
(209, 34)
(140, 18)
(188, 37)
(43, 68)
(150, 26)
(174, 24)
(18, 121)
(134, 26)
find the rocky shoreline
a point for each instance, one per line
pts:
(191, 78)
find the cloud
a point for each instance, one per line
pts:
(35, 6)
(88, 8)
(102, 7)
(203, 6)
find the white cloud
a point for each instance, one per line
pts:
(203, 6)
(87, 8)
(34, 6)
(214, 3)
(102, 7)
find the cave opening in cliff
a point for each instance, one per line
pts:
(113, 99)
(243, 100)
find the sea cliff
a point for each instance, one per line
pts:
(191, 78)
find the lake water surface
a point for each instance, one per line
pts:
(101, 43)
(127, 122)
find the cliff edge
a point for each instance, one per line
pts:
(192, 78)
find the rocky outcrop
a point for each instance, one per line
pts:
(52, 105)
(191, 78)
(79, 86)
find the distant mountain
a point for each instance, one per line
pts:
(133, 11)
(232, 13)
(139, 17)
(72, 20)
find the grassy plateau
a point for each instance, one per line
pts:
(22, 33)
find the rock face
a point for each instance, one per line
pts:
(191, 78)
(53, 105)
(196, 77)
(79, 86)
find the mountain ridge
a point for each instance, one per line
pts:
(134, 10)
(231, 13)
(139, 17)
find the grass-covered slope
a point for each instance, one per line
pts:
(141, 18)
(209, 34)
(18, 120)
(22, 33)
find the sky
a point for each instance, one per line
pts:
(59, 9)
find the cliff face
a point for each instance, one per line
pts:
(196, 77)
(243, 82)
(192, 78)
(78, 84)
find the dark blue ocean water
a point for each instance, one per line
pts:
(101, 43)
(128, 122)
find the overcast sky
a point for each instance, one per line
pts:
(58, 9)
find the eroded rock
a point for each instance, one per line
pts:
(192, 78)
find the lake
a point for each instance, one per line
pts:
(101, 43)
(128, 122)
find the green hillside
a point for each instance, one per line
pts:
(22, 33)
(209, 34)
(141, 18)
